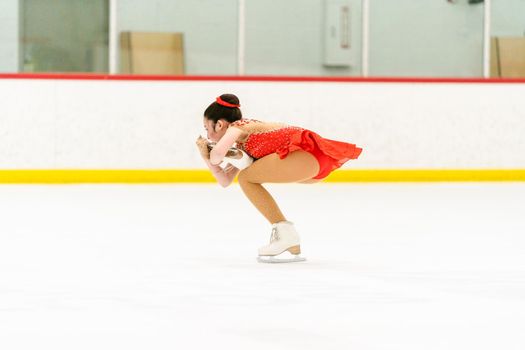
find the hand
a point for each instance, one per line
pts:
(203, 146)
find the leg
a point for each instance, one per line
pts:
(296, 167)
(311, 181)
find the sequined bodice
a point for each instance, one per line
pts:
(261, 143)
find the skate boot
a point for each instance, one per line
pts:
(238, 158)
(284, 239)
(235, 156)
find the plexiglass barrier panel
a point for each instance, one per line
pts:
(303, 37)
(203, 35)
(407, 38)
(426, 38)
(64, 36)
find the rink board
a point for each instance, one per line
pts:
(137, 129)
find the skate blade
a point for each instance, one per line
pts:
(274, 260)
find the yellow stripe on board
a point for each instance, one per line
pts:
(426, 175)
(204, 176)
(103, 176)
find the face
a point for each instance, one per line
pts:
(215, 131)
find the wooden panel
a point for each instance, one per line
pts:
(512, 57)
(152, 53)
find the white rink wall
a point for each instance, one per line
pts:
(119, 124)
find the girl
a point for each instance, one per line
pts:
(281, 153)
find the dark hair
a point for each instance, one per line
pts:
(215, 111)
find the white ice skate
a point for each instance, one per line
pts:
(284, 239)
(238, 158)
(235, 156)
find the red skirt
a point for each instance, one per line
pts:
(330, 154)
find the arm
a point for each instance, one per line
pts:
(221, 148)
(223, 176)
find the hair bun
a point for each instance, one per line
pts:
(231, 99)
(225, 106)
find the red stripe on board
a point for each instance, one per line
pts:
(74, 76)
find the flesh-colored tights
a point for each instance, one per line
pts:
(298, 166)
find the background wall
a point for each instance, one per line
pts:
(508, 17)
(101, 124)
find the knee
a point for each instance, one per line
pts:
(242, 178)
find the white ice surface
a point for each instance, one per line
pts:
(390, 266)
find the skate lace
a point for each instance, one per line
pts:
(275, 235)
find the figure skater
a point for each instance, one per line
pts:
(280, 154)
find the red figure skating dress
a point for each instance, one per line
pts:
(267, 138)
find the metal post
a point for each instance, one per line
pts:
(365, 37)
(241, 38)
(486, 38)
(113, 37)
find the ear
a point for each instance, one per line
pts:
(220, 124)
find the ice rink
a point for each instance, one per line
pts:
(390, 266)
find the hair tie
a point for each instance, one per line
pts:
(226, 104)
